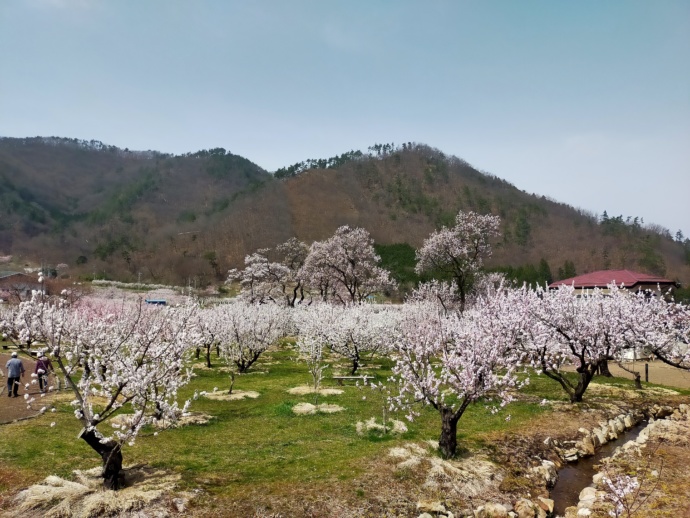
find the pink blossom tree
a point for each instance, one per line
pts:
(345, 267)
(451, 361)
(568, 327)
(458, 252)
(263, 280)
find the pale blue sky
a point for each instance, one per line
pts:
(587, 102)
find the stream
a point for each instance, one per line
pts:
(575, 476)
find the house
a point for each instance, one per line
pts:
(630, 280)
(16, 286)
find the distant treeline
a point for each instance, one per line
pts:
(375, 151)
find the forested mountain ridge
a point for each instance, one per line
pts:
(121, 214)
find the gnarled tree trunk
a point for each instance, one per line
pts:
(448, 443)
(585, 375)
(111, 455)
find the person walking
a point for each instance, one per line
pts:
(15, 370)
(43, 367)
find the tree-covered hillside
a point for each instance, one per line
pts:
(109, 212)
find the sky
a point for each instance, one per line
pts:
(585, 102)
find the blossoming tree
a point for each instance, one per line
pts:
(660, 326)
(115, 356)
(451, 361)
(458, 252)
(205, 330)
(312, 324)
(263, 280)
(356, 332)
(345, 267)
(248, 330)
(567, 327)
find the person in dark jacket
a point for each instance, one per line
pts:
(15, 370)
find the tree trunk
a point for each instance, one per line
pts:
(198, 352)
(232, 382)
(635, 374)
(604, 369)
(585, 376)
(355, 366)
(638, 382)
(208, 356)
(110, 454)
(448, 443)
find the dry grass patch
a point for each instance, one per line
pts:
(473, 476)
(393, 426)
(85, 497)
(189, 418)
(308, 408)
(235, 396)
(303, 390)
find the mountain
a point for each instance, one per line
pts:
(124, 214)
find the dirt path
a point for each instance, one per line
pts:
(12, 408)
(659, 373)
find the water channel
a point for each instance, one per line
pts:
(575, 476)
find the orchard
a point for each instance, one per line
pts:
(468, 345)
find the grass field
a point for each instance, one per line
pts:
(258, 448)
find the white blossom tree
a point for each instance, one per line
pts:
(312, 324)
(16, 324)
(359, 332)
(260, 280)
(115, 356)
(451, 361)
(458, 252)
(657, 325)
(586, 329)
(292, 255)
(205, 330)
(345, 267)
(248, 330)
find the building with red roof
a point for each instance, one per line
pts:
(629, 279)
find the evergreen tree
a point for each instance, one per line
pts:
(545, 275)
(567, 270)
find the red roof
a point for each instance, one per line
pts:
(603, 278)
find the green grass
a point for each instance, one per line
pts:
(260, 442)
